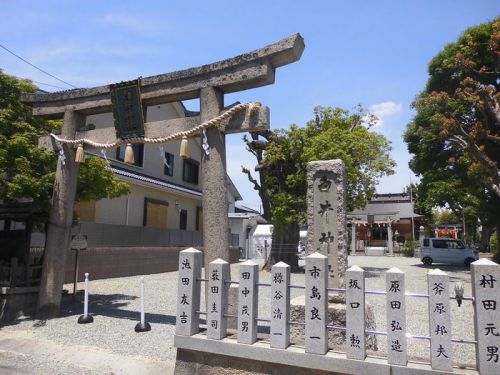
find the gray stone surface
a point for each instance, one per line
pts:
(486, 290)
(250, 70)
(316, 298)
(60, 221)
(396, 317)
(188, 292)
(353, 238)
(440, 320)
(226, 357)
(219, 271)
(248, 302)
(213, 174)
(355, 313)
(336, 316)
(232, 307)
(280, 306)
(326, 215)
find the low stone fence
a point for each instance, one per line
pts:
(250, 355)
(109, 262)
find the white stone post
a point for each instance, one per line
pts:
(218, 273)
(280, 305)
(390, 244)
(316, 306)
(440, 320)
(188, 292)
(142, 326)
(355, 313)
(86, 318)
(247, 302)
(353, 239)
(421, 235)
(486, 291)
(396, 317)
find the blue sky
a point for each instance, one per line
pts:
(370, 52)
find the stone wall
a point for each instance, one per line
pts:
(108, 262)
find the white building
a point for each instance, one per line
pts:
(165, 190)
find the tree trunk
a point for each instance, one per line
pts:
(497, 250)
(59, 225)
(285, 246)
(485, 237)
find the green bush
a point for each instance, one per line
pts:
(409, 248)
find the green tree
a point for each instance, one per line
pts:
(29, 171)
(282, 157)
(455, 134)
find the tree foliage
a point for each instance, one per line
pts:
(455, 134)
(28, 172)
(282, 157)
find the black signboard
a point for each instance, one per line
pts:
(127, 109)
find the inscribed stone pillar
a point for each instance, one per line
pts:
(326, 216)
(218, 273)
(213, 169)
(247, 302)
(440, 320)
(316, 334)
(353, 239)
(280, 305)
(60, 220)
(390, 244)
(396, 317)
(188, 292)
(355, 313)
(486, 291)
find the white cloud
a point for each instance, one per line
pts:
(383, 111)
(150, 24)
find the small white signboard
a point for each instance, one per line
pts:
(79, 242)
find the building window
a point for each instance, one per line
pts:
(168, 168)
(138, 149)
(183, 214)
(155, 213)
(190, 171)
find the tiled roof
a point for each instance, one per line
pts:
(155, 181)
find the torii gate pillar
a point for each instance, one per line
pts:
(213, 169)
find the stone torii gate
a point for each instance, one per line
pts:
(209, 83)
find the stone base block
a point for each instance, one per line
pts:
(336, 317)
(190, 362)
(16, 302)
(375, 251)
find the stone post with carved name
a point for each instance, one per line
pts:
(486, 291)
(440, 320)
(326, 216)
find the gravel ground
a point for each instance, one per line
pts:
(115, 305)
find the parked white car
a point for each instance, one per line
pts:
(447, 250)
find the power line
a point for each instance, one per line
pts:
(36, 67)
(46, 84)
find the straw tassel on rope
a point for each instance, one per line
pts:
(80, 154)
(129, 154)
(184, 153)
